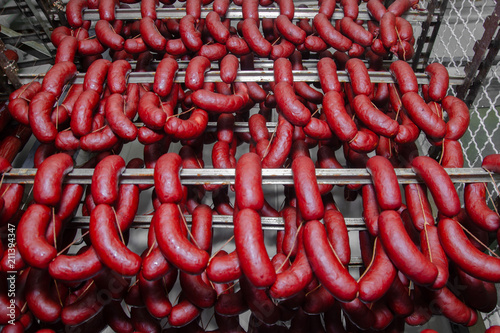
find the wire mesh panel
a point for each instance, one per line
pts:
(462, 26)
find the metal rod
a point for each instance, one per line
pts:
(269, 176)
(219, 222)
(234, 12)
(310, 75)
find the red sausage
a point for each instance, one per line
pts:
(251, 250)
(66, 50)
(295, 112)
(418, 206)
(155, 297)
(388, 33)
(331, 36)
(439, 183)
(403, 253)
(337, 117)
(39, 299)
(254, 38)
(151, 36)
(290, 31)
(385, 182)
(359, 77)
(376, 9)
(215, 102)
(19, 101)
(229, 68)
(117, 76)
(82, 114)
(167, 180)
(378, 277)
(39, 112)
(477, 208)
(438, 82)
(57, 77)
(306, 188)
(355, 32)
(47, 186)
(190, 36)
(173, 244)
(422, 115)
(446, 303)
(404, 76)
(74, 13)
(338, 236)
(432, 250)
(108, 37)
(459, 118)
(373, 118)
(96, 75)
(195, 72)
(105, 179)
(99, 140)
(202, 227)
(248, 182)
(453, 155)
(216, 28)
(31, 241)
(328, 269)
(280, 146)
(107, 244)
(224, 268)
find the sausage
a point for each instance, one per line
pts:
(155, 297)
(19, 99)
(47, 186)
(183, 313)
(197, 291)
(458, 115)
(398, 299)
(216, 28)
(422, 115)
(259, 302)
(401, 250)
(195, 72)
(248, 182)
(337, 233)
(152, 111)
(74, 13)
(439, 183)
(39, 298)
(135, 45)
(224, 268)
(399, 7)
(151, 36)
(229, 68)
(83, 110)
(477, 208)
(293, 110)
(104, 186)
(418, 206)
(444, 302)
(280, 147)
(57, 77)
(117, 76)
(215, 102)
(373, 118)
(190, 36)
(108, 37)
(385, 182)
(438, 81)
(290, 31)
(105, 240)
(31, 241)
(251, 250)
(328, 269)
(254, 38)
(306, 188)
(332, 37)
(283, 71)
(173, 244)
(116, 317)
(432, 250)
(96, 75)
(359, 77)
(404, 76)
(117, 120)
(66, 50)
(201, 229)
(355, 32)
(148, 8)
(452, 154)
(86, 306)
(388, 33)
(100, 140)
(376, 9)
(358, 313)
(167, 180)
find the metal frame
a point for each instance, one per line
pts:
(310, 75)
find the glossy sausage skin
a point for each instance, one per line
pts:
(47, 188)
(403, 253)
(306, 188)
(385, 182)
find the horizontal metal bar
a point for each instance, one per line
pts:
(219, 222)
(310, 75)
(269, 176)
(235, 12)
